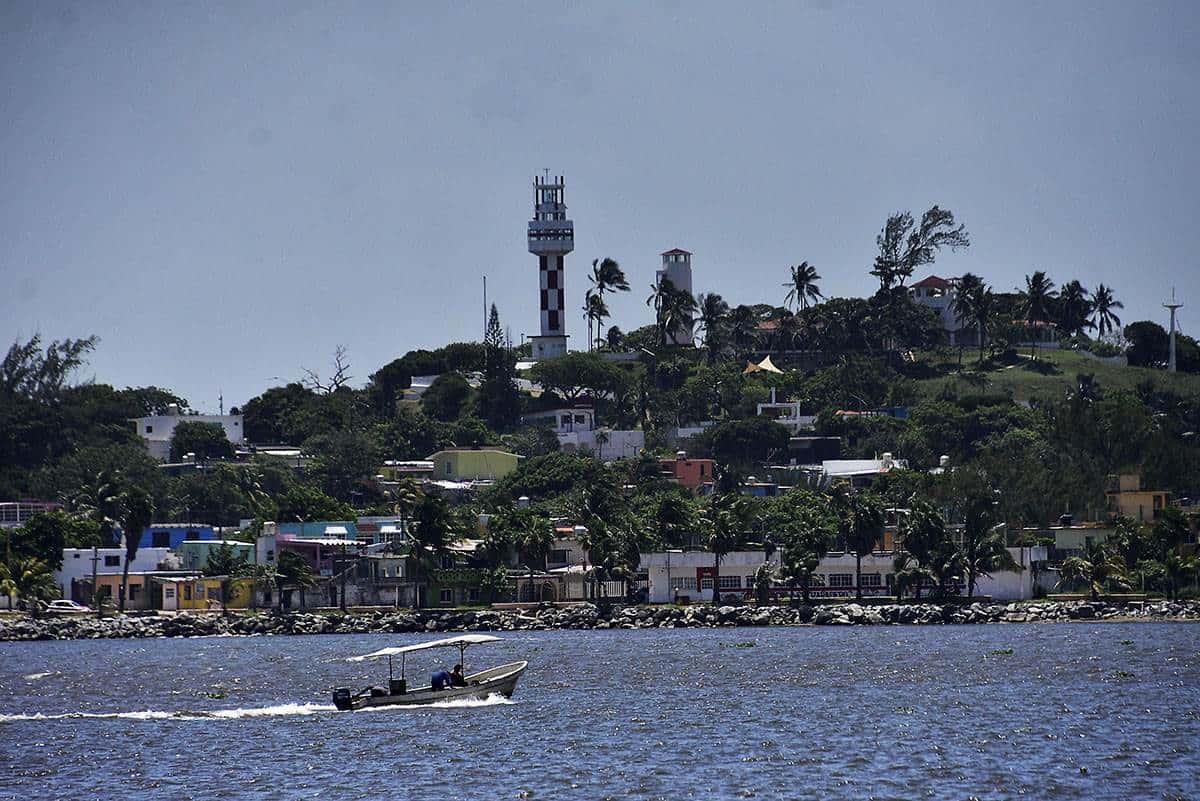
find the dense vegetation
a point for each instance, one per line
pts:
(1035, 432)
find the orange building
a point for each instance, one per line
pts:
(690, 473)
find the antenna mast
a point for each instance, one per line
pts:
(1173, 305)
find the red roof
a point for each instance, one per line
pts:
(932, 282)
(675, 251)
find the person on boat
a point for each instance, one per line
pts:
(457, 679)
(440, 680)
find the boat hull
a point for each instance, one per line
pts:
(501, 680)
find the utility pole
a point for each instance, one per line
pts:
(96, 589)
(1173, 305)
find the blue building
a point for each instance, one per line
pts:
(169, 535)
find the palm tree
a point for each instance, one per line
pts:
(28, 578)
(714, 316)
(721, 521)
(1103, 304)
(1036, 299)
(99, 501)
(607, 276)
(1074, 306)
(594, 310)
(865, 531)
(803, 286)
(1095, 568)
(436, 529)
(674, 309)
(974, 304)
(294, 572)
(137, 515)
(743, 328)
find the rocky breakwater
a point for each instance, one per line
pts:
(582, 616)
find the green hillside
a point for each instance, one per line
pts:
(1051, 375)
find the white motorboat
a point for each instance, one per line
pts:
(500, 680)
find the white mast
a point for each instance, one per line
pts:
(1173, 305)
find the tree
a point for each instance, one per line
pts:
(1074, 307)
(46, 534)
(206, 440)
(577, 374)
(743, 329)
(974, 304)
(865, 531)
(607, 276)
(343, 462)
(1148, 344)
(435, 529)
(293, 573)
(1036, 299)
(529, 532)
(721, 522)
(713, 321)
(1104, 318)
(341, 374)
(446, 396)
(28, 578)
(29, 372)
(927, 539)
(1095, 569)
(99, 501)
(594, 310)
(301, 502)
(904, 245)
(499, 399)
(137, 513)
(743, 442)
(802, 288)
(226, 564)
(674, 309)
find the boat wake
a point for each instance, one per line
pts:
(279, 710)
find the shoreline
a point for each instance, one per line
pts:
(584, 617)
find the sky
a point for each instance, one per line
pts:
(224, 193)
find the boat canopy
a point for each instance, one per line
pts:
(450, 642)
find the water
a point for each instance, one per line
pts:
(1084, 711)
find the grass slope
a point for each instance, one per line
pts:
(1050, 376)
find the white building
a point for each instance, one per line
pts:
(787, 413)
(157, 430)
(576, 429)
(678, 576)
(77, 564)
(677, 268)
(691, 576)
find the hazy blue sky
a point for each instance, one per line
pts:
(225, 192)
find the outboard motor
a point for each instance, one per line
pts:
(341, 699)
(398, 686)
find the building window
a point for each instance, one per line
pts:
(191, 534)
(160, 539)
(149, 429)
(706, 583)
(447, 596)
(686, 583)
(214, 593)
(168, 592)
(134, 591)
(579, 418)
(112, 561)
(557, 556)
(76, 556)
(473, 595)
(187, 592)
(872, 580)
(731, 582)
(841, 580)
(449, 469)
(565, 420)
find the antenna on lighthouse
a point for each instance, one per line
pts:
(1173, 306)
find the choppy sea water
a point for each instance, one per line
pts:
(1081, 711)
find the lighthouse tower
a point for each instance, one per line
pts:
(677, 268)
(551, 238)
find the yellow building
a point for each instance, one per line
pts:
(202, 593)
(1126, 498)
(472, 464)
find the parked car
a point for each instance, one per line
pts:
(66, 606)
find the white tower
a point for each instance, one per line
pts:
(677, 268)
(551, 238)
(1173, 306)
